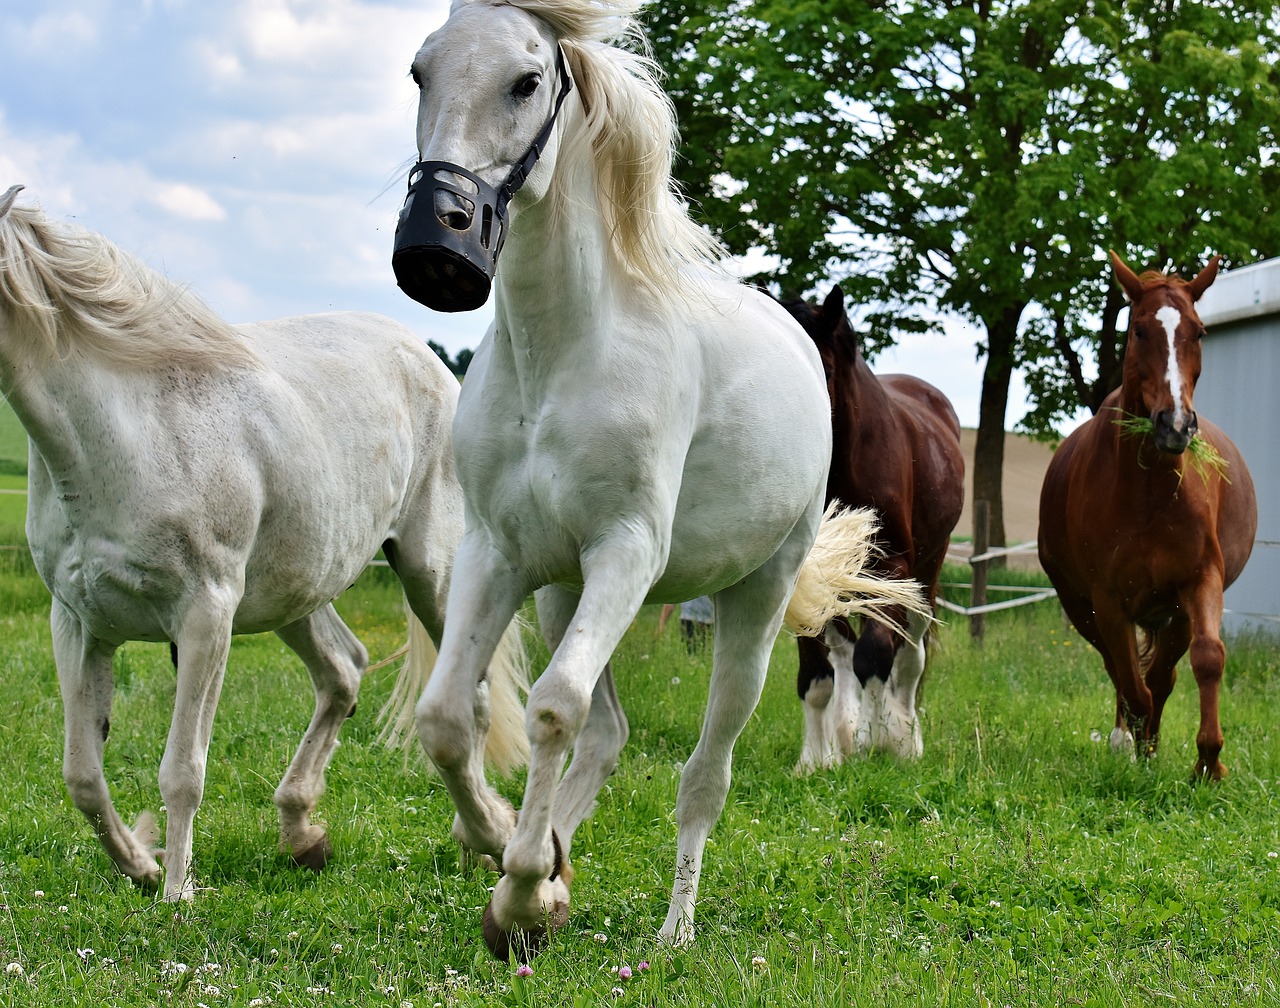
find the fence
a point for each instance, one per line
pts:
(982, 555)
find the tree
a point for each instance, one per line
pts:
(458, 365)
(978, 158)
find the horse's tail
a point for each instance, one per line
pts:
(507, 744)
(833, 580)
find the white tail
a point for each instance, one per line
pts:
(833, 581)
(507, 744)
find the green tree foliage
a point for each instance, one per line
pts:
(977, 158)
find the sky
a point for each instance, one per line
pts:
(257, 151)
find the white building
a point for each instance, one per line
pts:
(1238, 391)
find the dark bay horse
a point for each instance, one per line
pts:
(1146, 514)
(895, 449)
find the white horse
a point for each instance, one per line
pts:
(190, 480)
(633, 429)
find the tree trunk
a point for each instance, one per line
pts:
(988, 453)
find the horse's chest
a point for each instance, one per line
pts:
(545, 486)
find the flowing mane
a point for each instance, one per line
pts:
(70, 289)
(630, 136)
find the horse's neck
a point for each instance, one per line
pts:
(554, 293)
(860, 408)
(1141, 467)
(63, 406)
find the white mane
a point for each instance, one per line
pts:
(66, 289)
(630, 135)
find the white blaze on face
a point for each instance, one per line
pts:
(1169, 317)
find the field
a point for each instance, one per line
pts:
(1019, 862)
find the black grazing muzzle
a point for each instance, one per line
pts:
(453, 224)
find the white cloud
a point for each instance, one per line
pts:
(61, 31)
(189, 202)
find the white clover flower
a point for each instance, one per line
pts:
(759, 962)
(85, 953)
(15, 969)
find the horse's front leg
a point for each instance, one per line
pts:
(533, 896)
(336, 661)
(203, 639)
(1208, 662)
(85, 680)
(453, 712)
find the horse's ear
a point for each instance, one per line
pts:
(1203, 279)
(580, 72)
(833, 307)
(1128, 278)
(6, 201)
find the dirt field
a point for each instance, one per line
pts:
(1024, 464)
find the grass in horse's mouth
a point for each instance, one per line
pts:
(1204, 456)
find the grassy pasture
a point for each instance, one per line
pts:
(1018, 863)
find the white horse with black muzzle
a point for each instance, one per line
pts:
(634, 428)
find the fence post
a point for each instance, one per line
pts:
(981, 543)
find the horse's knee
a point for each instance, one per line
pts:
(181, 782)
(86, 788)
(557, 712)
(1208, 660)
(445, 730)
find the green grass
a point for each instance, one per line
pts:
(13, 444)
(1018, 863)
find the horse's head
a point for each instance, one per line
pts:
(828, 326)
(1162, 355)
(491, 83)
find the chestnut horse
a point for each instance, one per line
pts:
(1138, 532)
(896, 449)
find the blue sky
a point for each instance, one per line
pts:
(256, 150)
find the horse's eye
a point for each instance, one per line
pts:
(526, 86)
(417, 78)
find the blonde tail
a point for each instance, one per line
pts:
(833, 582)
(507, 744)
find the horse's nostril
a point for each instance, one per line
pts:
(458, 220)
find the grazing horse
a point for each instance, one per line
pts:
(1147, 514)
(190, 480)
(896, 449)
(633, 428)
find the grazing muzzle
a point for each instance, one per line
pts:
(453, 224)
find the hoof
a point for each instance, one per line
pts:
(503, 944)
(315, 855)
(1202, 773)
(523, 943)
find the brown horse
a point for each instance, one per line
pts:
(1137, 532)
(896, 449)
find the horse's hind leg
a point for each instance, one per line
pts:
(336, 661)
(595, 753)
(748, 617)
(85, 679)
